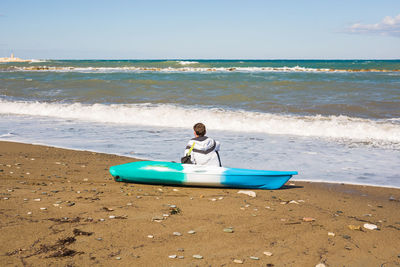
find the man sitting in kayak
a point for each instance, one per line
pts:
(203, 150)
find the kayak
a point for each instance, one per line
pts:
(171, 173)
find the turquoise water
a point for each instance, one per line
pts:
(333, 120)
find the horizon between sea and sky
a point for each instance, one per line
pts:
(200, 30)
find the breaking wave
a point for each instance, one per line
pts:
(188, 69)
(183, 62)
(380, 133)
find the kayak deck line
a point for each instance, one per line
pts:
(171, 173)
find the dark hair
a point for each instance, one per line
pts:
(200, 129)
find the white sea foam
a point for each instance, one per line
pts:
(186, 69)
(164, 115)
(37, 61)
(187, 62)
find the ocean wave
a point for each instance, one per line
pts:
(358, 130)
(188, 69)
(183, 62)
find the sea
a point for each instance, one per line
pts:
(331, 120)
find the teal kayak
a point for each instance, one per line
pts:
(171, 173)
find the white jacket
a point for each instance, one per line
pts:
(204, 151)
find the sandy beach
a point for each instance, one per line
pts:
(61, 207)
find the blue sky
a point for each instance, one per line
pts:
(354, 29)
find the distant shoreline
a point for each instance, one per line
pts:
(8, 59)
(14, 59)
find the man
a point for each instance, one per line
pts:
(204, 150)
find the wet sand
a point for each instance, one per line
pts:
(61, 207)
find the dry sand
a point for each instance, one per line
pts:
(61, 207)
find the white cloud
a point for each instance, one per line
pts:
(388, 26)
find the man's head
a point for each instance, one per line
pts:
(199, 129)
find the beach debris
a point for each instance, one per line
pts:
(117, 217)
(43, 208)
(175, 190)
(254, 258)
(165, 215)
(197, 256)
(65, 220)
(59, 248)
(129, 204)
(174, 210)
(85, 179)
(228, 230)
(320, 265)
(293, 202)
(80, 232)
(308, 219)
(37, 199)
(99, 239)
(107, 209)
(150, 236)
(283, 203)
(248, 192)
(213, 199)
(172, 256)
(331, 234)
(354, 227)
(118, 258)
(181, 257)
(267, 253)
(238, 261)
(176, 233)
(191, 232)
(370, 226)
(29, 213)
(70, 204)
(157, 219)
(5, 198)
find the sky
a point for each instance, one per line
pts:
(208, 29)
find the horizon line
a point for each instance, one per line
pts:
(215, 59)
